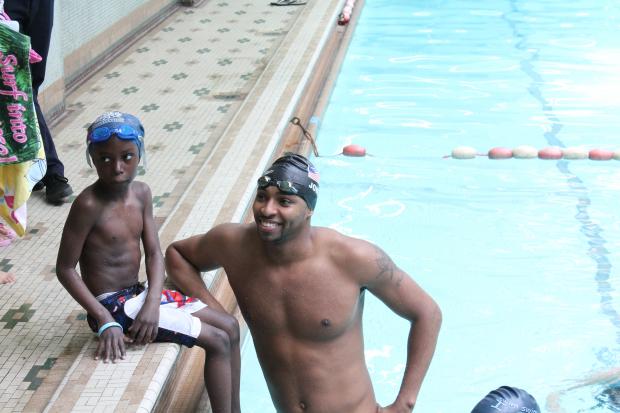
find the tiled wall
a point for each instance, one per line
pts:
(83, 20)
(84, 32)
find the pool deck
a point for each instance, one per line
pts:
(214, 86)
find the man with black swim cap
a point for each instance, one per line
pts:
(293, 174)
(301, 291)
(507, 399)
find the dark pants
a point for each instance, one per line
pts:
(36, 18)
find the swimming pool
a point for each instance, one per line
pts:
(520, 254)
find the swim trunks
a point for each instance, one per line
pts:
(176, 322)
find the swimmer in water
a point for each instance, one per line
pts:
(301, 291)
(507, 399)
(608, 398)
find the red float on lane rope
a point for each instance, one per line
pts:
(551, 152)
(500, 153)
(600, 155)
(354, 150)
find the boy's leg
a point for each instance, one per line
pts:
(217, 371)
(213, 324)
(230, 325)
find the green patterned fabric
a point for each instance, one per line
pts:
(19, 130)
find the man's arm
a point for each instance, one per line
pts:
(145, 326)
(77, 227)
(186, 259)
(406, 298)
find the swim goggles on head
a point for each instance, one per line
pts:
(123, 131)
(287, 187)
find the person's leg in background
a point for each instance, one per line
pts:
(36, 18)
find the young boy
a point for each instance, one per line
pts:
(103, 231)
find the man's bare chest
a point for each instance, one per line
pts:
(313, 305)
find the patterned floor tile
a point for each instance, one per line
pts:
(17, 315)
(34, 377)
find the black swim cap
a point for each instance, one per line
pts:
(507, 399)
(293, 174)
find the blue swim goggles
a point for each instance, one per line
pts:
(123, 131)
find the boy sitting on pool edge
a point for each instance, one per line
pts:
(105, 227)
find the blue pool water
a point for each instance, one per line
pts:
(521, 255)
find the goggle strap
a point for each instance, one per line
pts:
(143, 156)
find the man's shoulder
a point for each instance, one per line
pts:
(230, 231)
(334, 239)
(224, 243)
(344, 249)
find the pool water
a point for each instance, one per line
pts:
(520, 254)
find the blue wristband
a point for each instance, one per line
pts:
(108, 325)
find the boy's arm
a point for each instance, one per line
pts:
(145, 326)
(77, 227)
(405, 297)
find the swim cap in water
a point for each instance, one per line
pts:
(293, 174)
(122, 125)
(507, 399)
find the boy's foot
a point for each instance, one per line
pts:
(57, 189)
(6, 277)
(7, 235)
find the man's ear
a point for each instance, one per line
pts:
(309, 213)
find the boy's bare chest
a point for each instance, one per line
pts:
(120, 222)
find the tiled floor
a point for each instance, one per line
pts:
(214, 87)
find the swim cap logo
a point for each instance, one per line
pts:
(108, 117)
(313, 174)
(503, 402)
